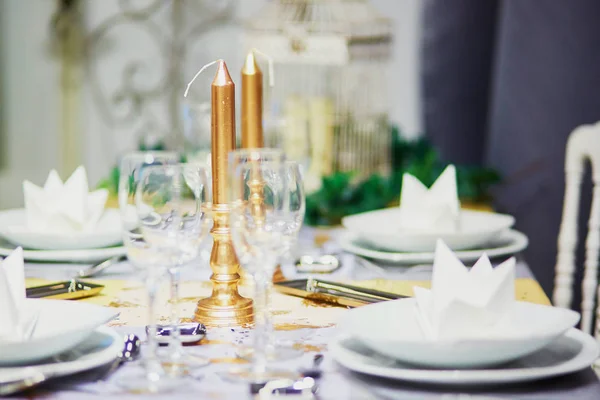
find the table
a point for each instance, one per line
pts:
(307, 326)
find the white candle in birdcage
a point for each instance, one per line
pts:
(296, 140)
(321, 117)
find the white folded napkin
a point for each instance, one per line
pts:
(63, 208)
(463, 303)
(430, 210)
(12, 297)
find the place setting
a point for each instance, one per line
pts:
(466, 330)
(407, 234)
(46, 339)
(62, 222)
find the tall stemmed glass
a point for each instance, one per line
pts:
(294, 206)
(257, 197)
(143, 258)
(171, 202)
(292, 216)
(130, 172)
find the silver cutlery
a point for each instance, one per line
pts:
(322, 264)
(314, 371)
(354, 292)
(130, 352)
(304, 388)
(189, 332)
(100, 267)
(31, 376)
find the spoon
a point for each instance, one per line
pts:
(322, 264)
(189, 332)
(314, 371)
(131, 351)
(303, 388)
(98, 268)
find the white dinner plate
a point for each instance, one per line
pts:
(570, 353)
(108, 232)
(506, 244)
(62, 324)
(99, 348)
(381, 228)
(532, 327)
(74, 256)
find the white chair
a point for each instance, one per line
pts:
(583, 145)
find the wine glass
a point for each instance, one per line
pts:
(294, 206)
(292, 217)
(171, 203)
(131, 168)
(257, 197)
(143, 258)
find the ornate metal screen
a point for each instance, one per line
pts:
(171, 27)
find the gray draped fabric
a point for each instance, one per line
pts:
(504, 83)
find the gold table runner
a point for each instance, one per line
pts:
(290, 313)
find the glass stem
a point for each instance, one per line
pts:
(175, 342)
(152, 365)
(262, 322)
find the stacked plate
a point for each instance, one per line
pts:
(99, 244)
(68, 338)
(544, 344)
(376, 235)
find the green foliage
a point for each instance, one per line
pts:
(340, 195)
(111, 182)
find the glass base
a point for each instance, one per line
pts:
(143, 382)
(274, 353)
(182, 365)
(247, 375)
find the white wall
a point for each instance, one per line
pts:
(31, 93)
(405, 108)
(29, 97)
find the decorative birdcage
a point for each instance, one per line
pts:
(328, 107)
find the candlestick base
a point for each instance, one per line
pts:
(225, 306)
(234, 311)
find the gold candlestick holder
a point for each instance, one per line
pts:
(225, 306)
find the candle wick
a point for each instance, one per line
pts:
(187, 89)
(269, 65)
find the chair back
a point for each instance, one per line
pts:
(583, 145)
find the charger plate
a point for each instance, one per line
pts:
(100, 348)
(70, 256)
(381, 228)
(507, 243)
(570, 353)
(527, 328)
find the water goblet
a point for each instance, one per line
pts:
(131, 167)
(171, 202)
(153, 378)
(257, 220)
(292, 215)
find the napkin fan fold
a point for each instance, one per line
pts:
(12, 297)
(63, 207)
(434, 209)
(465, 303)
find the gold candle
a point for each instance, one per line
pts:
(252, 104)
(225, 306)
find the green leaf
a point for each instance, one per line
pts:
(339, 195)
